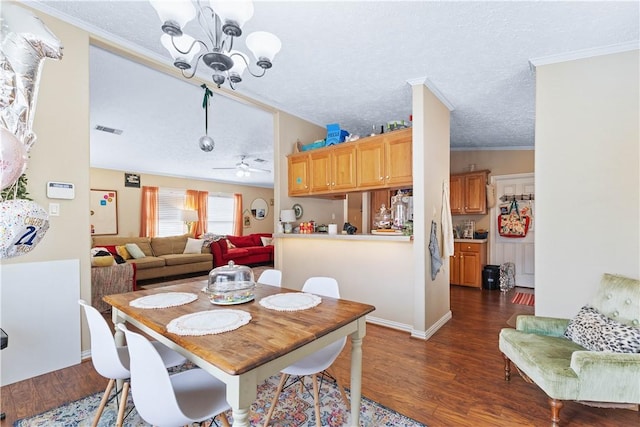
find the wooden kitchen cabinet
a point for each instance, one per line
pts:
(333, 170)
(468, 193)
(467, 262)
(385, 160)
(298, 174)
(377, 162)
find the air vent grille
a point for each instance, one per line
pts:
(109, 130)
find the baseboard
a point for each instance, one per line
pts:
(388, 323)
(425, 335)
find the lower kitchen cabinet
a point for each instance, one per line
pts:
(467, 262)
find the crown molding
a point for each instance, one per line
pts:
(584, 53)
(433, 88)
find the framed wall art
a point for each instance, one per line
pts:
(104, 212)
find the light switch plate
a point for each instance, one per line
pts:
(54, 209)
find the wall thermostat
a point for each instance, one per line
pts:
(60, 190)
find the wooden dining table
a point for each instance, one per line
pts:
(244, 357)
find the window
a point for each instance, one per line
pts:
(170, 205)
(220, 214)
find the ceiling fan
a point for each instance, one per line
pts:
(243, 169)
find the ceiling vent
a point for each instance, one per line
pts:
(259, 160)
(109, 130)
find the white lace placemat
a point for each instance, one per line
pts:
(290, 301)
(164, 300)
(209, 322)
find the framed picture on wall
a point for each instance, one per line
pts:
(247, 221)
(104, 212)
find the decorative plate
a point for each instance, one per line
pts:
(298, 210)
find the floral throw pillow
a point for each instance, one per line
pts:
(596, 332)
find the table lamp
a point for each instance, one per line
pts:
(189, 217)
(287, 216)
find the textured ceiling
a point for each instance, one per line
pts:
(341, 62)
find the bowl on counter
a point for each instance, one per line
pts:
(480, 234)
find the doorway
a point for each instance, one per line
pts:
(519, 251)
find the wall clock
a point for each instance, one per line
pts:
(298, 210)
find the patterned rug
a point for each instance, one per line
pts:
(523, 299)
(293, 410)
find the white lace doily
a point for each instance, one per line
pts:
(164, 300)
(290, 301)
(209, 322)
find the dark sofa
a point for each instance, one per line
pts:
(248, 250)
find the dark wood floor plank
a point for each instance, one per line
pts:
(453, 379)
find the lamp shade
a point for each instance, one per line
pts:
(180, 12)
(238, 64)
(287, 215)
(238, 11)
(263, 45)
(188, 215)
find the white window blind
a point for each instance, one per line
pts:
(170, 203)
(220, 214)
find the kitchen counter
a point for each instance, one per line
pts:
(471, 240)
(325, 236)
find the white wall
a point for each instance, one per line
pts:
(587, 178)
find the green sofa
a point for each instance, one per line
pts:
(565, 370)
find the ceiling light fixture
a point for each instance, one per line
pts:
(221, 21)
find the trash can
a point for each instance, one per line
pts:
(491, 277)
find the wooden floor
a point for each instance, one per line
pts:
(453, 379)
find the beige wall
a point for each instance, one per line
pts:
(61, 153)
(587, 178)
(129, 198)
(499, 162)
(431, 149)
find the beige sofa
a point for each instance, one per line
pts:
(164, 255)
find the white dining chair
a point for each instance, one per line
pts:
(112, 361)
(317, 363)
(174, 400)
(271, 277)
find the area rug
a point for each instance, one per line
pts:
(523, 299)
(293, 410)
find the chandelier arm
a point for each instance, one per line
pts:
(190, 47)
(202, 21)
(264, 70)
(195, 69)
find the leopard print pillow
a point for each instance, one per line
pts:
(596, 332)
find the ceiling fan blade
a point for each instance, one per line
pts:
(250, 169)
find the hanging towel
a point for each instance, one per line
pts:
(434, 249)
(447, 226)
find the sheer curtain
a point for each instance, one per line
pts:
(149, 212)
(191, 204)
(203, 213)
(237, 215)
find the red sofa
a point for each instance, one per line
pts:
(248, 250)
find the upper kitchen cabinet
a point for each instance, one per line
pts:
(385, 161)
(298, 174)
(468, 193)
(333, 170)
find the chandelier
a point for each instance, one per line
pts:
(221, 21)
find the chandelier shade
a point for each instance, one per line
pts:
(221, 21)
(174, 14)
